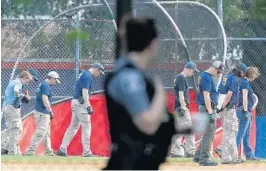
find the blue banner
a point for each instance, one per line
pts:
(260, 149)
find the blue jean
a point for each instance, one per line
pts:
(243, 133)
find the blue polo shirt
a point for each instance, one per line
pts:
(222, 88)
(244, 84)
(232, 85)
(84, 81)
(10, 98)
(206, 83)
(180, 84)
(43, 89)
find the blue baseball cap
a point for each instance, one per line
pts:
(99, 66)
(34, 74)
(192, 65)
(243, 67)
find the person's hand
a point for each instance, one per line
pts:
(212, 118)
(219, 110)
(159, 88)
(182, 112)
(245, 115)
(187, 106)
(25, 99)
(51, 115)
(89, 110)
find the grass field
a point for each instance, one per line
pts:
(97, 163)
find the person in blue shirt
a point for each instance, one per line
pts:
(207, 101)
(228, 150)
(82, 111)
(43, 114)
(14, 97)
(182, 109)
(244, 109)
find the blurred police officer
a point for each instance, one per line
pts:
(182, 110)
(81, 111)
(140, 126)
(228, 150)
(207, 100)
(43, 114)
(11, 111)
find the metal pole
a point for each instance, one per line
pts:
(77, 47)
(220, 9)
(122, 7)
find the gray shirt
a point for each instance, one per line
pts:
(128, 88)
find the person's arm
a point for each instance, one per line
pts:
(182, 100)
(207, 101)
(206, 88)
(245, 99)
(45, 91)
(227, 99)
(85, 85)
(232, 85)
(46, 102)
(129, 89)
(181, 86)
(86, 96)
(16, 90)
(149, 120)
(18, 93)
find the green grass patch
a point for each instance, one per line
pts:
(80, 160)
(51, 159)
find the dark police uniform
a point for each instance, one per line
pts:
(131, 148)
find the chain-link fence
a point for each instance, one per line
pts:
(67, 44)
(70, 42)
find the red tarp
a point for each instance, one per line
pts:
(100, 139)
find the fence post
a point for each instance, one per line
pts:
(122, 7)
(220, 9)
(77, 47)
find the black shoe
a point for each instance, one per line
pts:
(230, 162)
(253, 159)
(196, 160)
(176, 155)
(90, 155)
(208, 163)
(4, 152)
(188, 155)
(61, 153)
(218, 152)
(240, 160)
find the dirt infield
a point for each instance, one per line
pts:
(78, 163)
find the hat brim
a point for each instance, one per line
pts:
(196, 70)
(36, 79)
(58, 81)
(102, 72)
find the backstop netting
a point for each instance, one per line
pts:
(73, 40)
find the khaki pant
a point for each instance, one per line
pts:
(189, 144)
(228, 146)
(14, 128)
(42, 134)
(79, 117)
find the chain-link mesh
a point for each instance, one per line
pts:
(56, 46)
(171, 52)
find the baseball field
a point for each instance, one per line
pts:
(97, 163)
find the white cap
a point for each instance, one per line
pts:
(55, 75)
(218, 65)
